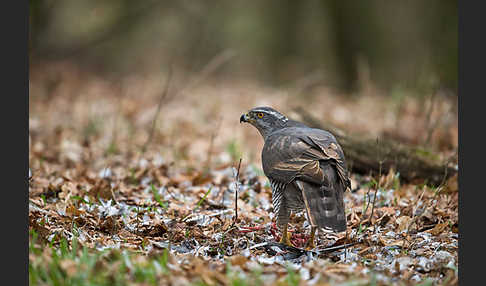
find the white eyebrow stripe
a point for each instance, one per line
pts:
(276, 114)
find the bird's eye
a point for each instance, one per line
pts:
(260, 115)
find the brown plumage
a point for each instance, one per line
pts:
(306, 169)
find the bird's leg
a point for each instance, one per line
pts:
(285, 236)
(310, 242)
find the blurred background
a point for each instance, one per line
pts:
(408, 44)
(98, 68)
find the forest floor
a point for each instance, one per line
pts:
(115, 199)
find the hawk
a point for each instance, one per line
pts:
(306, 169)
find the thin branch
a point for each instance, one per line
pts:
(363, 219)
(414, 210)
(211, 143)
(237, 188)
(209, 68)
(163, 96)
(378, 187)
(374, 201)
(334, 248)
(300, 251)
(428, 123)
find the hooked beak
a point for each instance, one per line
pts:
(244, 118)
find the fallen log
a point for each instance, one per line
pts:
(366, 156)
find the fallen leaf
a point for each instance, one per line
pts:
(438, 228)
(403, 223)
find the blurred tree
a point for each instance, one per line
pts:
(408, 44)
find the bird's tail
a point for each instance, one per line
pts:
(324, 203)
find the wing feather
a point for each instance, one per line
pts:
(296, 152)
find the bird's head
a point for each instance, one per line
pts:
(265, 119)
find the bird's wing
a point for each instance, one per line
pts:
(328, 145)
(296, 152)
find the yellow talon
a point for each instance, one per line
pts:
(285, 237)
(310, 244)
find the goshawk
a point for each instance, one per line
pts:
(306, 169)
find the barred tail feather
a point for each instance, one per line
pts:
(324, 203)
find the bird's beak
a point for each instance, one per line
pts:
(244, 118)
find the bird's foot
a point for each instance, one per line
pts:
(310, 245)
(286, 239)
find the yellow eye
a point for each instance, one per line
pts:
(260, 115)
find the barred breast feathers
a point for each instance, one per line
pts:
(277, 194)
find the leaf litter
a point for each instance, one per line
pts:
(179, 219)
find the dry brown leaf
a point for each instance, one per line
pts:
(392, 242)
(101, 189)
(438, 228)
(109, 225)
(451, 185)
(67, 189)
(71, 210)
(201, 178)
(403, 223)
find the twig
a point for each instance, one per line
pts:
(373, 207)
(363, 218)
(444, 178)
(211, 143)
(229, 229)
(209, 68)
(300, 251)
(163, 95)
(195, 216)
(250, 228)
(430, 127)
(377, 188)
(237, 187)
(414, 210)
(334, 248)
(113, 195)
